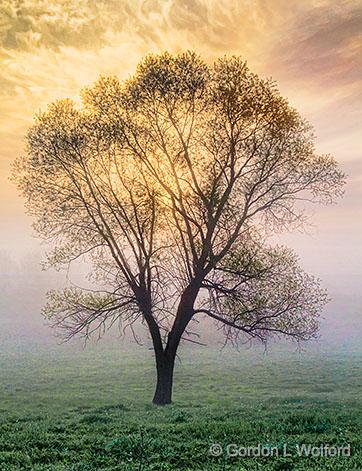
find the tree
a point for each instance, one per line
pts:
(171, 184)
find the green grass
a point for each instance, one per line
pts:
(71, 409)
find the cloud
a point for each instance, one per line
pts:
(28, 24)
(51, 49)
(323, 45)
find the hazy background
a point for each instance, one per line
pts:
(51, 49)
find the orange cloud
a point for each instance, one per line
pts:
(51, 49)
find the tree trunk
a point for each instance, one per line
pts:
(165, 358)
(165, 365)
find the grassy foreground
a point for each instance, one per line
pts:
(71, 409)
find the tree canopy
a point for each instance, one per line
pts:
(172, 183)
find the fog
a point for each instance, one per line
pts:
(24, 286)
(312, 51)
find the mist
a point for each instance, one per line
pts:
(24, 286)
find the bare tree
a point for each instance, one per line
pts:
(171, 183)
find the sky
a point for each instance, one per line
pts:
(312, 48)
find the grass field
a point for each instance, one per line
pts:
(71, 409)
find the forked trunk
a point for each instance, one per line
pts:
(165, 358)
(165, 366)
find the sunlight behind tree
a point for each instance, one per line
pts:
(171, 183)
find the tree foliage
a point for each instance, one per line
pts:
(171, 183)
